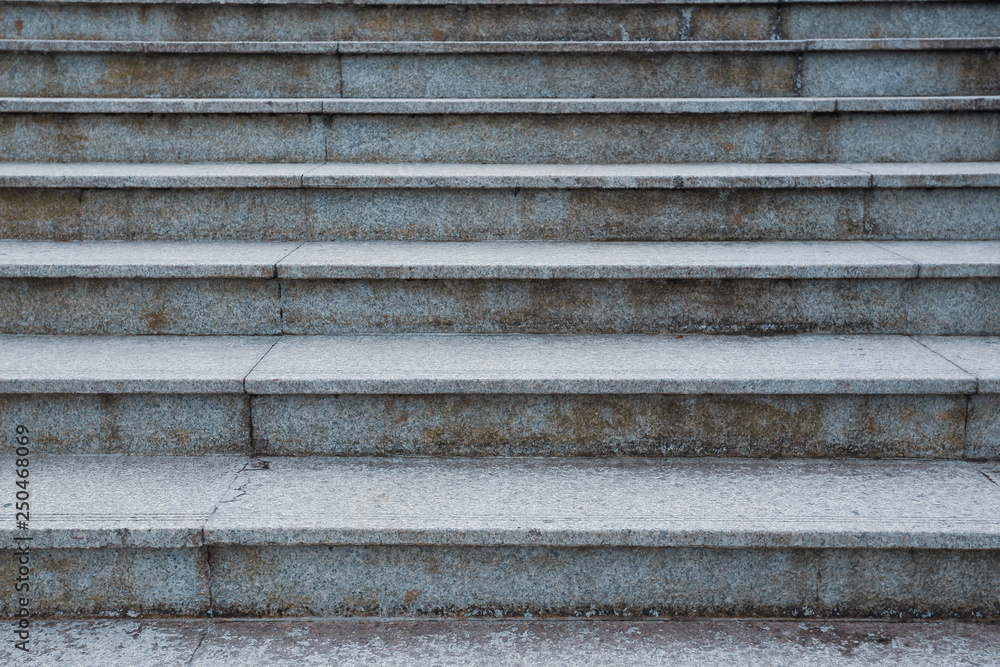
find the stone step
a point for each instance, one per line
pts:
(508, 642)
(259, 288)
(505, 21)
(307, 536)
(449, 202)
(755, 130)
(404, 69)
(788, 396)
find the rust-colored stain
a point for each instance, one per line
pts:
(737, 219)
(438, 36)
(875, 31)
(411, 597)
(728, 147)
(19, 26)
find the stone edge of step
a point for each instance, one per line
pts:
(500, 47)
(533, 260)
(482, 176)
(774, 105)
(219, 501)
(500, 364)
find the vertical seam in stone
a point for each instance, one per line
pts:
(204, 540)
(911, 286)
(968, 396)
(281, 305)
(965, 427)
(250, 424)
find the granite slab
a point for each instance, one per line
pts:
(547, 259)
(739, 503)
(505, 364)
(128, 364)
(141, 259)
(978, 355)
(87, 501)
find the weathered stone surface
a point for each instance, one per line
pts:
(613, 306)
(435, 214)
(433, 364)
(722, 138)
(503, 138)
(549, 106)
(114, 581)
(109, 643)
(111, 259)
(64, 74)
(950, 259)
(978, 355)
(94, 502)
(240, 21)
(546, 581)
(616, 425)
(508, 642)
(671, 75)
(557, 260)
(983, 428)
(171, 424)
(591, 642)
(141, 306)
(511, 581)
(128, 364)
(967, 307)
(728, 503)
(162, 138)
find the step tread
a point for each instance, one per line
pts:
(548, 106)
(501, 47)
(498, 364)
(511, 642)
(729, 503)
(499, 259)
(142, 259)
(493, 176)
(128, 364)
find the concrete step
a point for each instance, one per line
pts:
(510, 642)
(259, 288)
(225, 536)
(503, 21)
(881, 129)
(449, 202)
(474, 69)
(788, 396)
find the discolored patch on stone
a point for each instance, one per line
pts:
(139, 306)
(117, 582)
(171, 424)
(611, 425)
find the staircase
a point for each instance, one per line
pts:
(584, 308)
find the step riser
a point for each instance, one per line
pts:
(145, 424)
(261, 307)
(501, 23)
(796, 426)
(504, 139)
(506, 582)
(640, 425)
(471, 215)
(813, 74)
